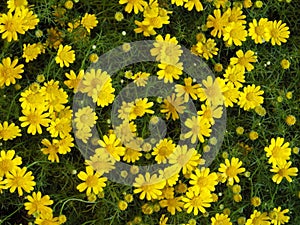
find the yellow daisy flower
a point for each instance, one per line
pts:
(73, 80)
(162, 150)
(243, 61)
(10, 71)
(187, 89)
(172, 106)
(278, 32)
(258, 218)
(135, 5)
(112, 145)
(51, 149)
(31, 52)
(283, 170)
(34, 119)
(278, 151)
(11, 25)
(173, 204)
(141, 107)
(8, 162)
(148, 186)
(250, 97)
(199, 128)
(258, 30)
(220, 219)
(85, 117)
(197, 201)
(13, 5)
(65, 55)
(93, 182)
(277, 216)
(9, 132)
(169, 72)
(89, 21)
(20, 180)
(218, 22)
(235, 33)
(231, 169)
(38, 204)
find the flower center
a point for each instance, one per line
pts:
(91, 181)
(231, 171)
(251, 96)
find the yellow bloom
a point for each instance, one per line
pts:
(235, 33)
(210, 113)
(112, 145)
(258, 30)
(93, 182)
(8, 163)
(185, 158)
(234, 75)
(197, 201)
(220, 219)
(278, 151)
(19, 179)
(149, 186)
(85, 117)
(166, 50)
(51, 149)
(190, 4)
(140, 107)
(14, 5)
(49, 219)
(218, 23)
(145, 29)
(11, 25)
(9, 71)
(277, 216)
(122, 205)
(187, 89)
(213, 91)
(135, 5)
(285, 64)
(34, 118)
(102, 161)
(162, 150)
(169, 72)
(203, 179)
(243, 61)
(258, 218)
(283, 170)
(172, 106)
(251, 97)
(65, 56)
(31, 52)
(178, 2)
(207, 49)
(231, 169)
(89, 21)
(38, 204)
(119, 16)
(173, 204)
(255, 201)
(199, 128)
(278, 32)
(9, 132)
(290, 120)
(73, 80)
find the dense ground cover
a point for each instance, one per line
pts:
(62, 148)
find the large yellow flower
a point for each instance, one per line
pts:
(199, 128)
(112, 145)
(251, 97)
(258, 31)
(231, 169)
(11, 25)
(38, 204)
(9, 132)
(93, 182)
(89, 21)
(197, 201)
(8, 162)
(34, 118)
(218, 22)
(162, 150)
(278, 151)
(65, 56)
(9, 71)
(278, 32)
(283, 170)
(20, 180)
(135, 5)
(243, 61)
(235, 33)
(172, 106)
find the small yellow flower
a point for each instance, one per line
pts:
(69, 4)
(218, 67)
(258, 4)
(285, 64)
(289, 95)
(89, 21)
(122, 205)
(253, 135)
(290, 120)
(93, 57)
(255, 201)
(239, 130)
(119, 16)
